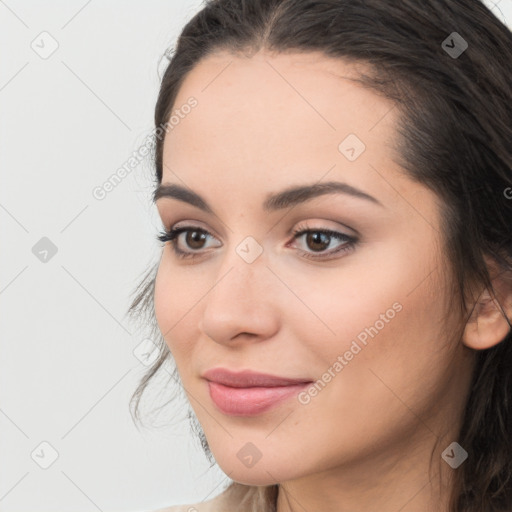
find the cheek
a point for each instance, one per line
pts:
(367, 397)
(346, 307)
(174, 302)
(384, 320)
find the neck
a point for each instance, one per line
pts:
(398, 479)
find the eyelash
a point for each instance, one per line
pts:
(172, 235)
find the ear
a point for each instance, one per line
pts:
(487, 325)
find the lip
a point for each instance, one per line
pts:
(248, 393)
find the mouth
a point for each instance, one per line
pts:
(249, 393)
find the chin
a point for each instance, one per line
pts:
(264, 472)
(249, 478)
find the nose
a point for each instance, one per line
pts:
(242, 304)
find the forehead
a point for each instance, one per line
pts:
(273, 119)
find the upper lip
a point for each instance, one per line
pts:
(249, 379)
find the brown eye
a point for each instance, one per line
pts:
(317, 240)
(195, 239)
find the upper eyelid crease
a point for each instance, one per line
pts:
(277, 201)
(350, 241)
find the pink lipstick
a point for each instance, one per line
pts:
(249, 393)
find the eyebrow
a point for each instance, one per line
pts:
(276, 201)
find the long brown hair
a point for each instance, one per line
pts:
(455, 138)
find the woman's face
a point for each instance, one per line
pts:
(363, 322)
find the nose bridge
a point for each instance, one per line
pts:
(240, 275)
(239, 300)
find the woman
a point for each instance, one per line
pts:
(334, 180)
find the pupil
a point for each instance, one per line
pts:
(316, 238)
(194, 236)
(316, 241)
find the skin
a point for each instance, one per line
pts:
(364, 442)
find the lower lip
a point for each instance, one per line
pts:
(250, 401)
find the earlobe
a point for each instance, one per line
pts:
(489, 323)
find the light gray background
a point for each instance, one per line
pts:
(67, 368)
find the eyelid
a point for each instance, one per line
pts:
(304, 226)
(347, 242)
